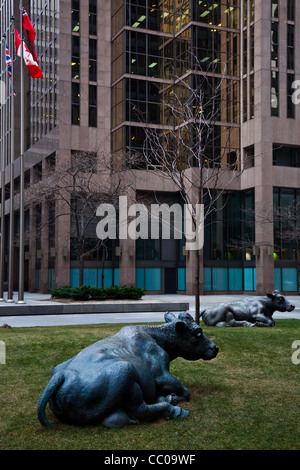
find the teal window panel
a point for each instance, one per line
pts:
(107, 278)
(38, 279)
(235, 279)
(277, 278)
(207, 279)
(289, 279)
(153, 279)
(249, 279)
(140, 278)
(90, 277)
(181, 278)
(51, 276)
(116, 277)
(220, 279)
(74, 277)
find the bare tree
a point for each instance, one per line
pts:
(197, 148)
(77, 187)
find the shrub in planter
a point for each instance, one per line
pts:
(94, 293)
(64, 292)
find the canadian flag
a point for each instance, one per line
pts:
(31, 64)
(30, 32)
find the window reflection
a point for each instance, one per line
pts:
(43, 96)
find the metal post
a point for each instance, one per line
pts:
(12, 189)
(21, 251)
(3, 148)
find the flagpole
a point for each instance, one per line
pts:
(12, 190)
(21, 250)
(2, 240)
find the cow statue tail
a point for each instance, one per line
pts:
(202, 312)
(54, 383)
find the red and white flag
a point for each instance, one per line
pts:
(30, 32)
(31, 64)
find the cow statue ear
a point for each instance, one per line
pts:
(185, 317)
(170, 317)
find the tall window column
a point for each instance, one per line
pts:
(290, 57)
(93, 63)
(274, 58)
(75, 63)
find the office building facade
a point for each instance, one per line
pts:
(109, 70)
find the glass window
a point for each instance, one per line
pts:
(274, 8)
(93, 49)
(286, 224)
(220, 279)
(93, 17)
(286, 156)
(289, 279)
(75, 57)
(92, 60)
(141, 15)
(291, 10)
(92, 70)
(153, 279)
(235, 279)
(181, 278)
(249, 279)
(274, 44)
(92, 106)
(274, 93)
(290, 91)
(75, 104)
(75, 16)
(290, 46)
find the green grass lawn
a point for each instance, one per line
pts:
(246, 398)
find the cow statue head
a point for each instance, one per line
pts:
(190, 342)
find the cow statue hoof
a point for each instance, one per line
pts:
(125, 379)
(178, 412)
(248, 312)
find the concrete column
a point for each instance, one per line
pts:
(45, 249)
(127, 249)
(32, 250)
(62, 247)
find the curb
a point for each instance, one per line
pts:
(63, 309)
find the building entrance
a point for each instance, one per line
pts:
(170, 281)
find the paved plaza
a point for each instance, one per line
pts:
(43, 301)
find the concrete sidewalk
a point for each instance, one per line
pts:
(151, 308)
(205, 300)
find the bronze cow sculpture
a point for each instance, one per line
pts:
(251, 311)
(125, 378)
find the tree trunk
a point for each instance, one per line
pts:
(81, 269)
(197, 288)
(102, 266)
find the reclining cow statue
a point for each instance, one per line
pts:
(125, 378)
(251, 311)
